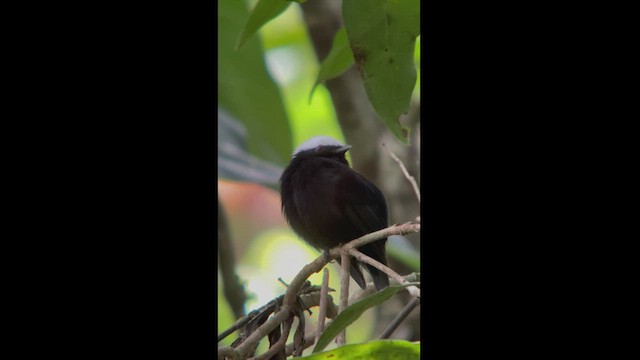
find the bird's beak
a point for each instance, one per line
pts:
(343, 149)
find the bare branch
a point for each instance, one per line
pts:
(403, 229)
(308, 341)
(361, 293)
(411, 179)
(400, 318)
(227, 352)
(279, 345)
(345, 262)
(313, 299)
(323, 302)
(367, 259)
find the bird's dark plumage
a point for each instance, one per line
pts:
(327, 203)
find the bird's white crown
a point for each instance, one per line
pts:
(315, 142)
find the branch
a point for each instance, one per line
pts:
(411, 179)
(308, 341)
(279, 345)
(413, 290)
(226, 352)
(323, 303)
(362, 293)
(400, 318)
(308, 300)
(296, 284)
(396, 229)
(345, 262)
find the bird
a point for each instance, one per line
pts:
(327, 203)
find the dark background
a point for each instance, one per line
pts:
(114, 147)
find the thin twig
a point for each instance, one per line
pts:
(226, 352)
(313, 299)
(298, 336)
(413, 290)
(400, 318)
(411, 179)
(308, 342)
(359, 294)
(279, 345)
(237, 325)
(396, 229)
(345, 262)
(270, 307)
(309, 300)
(322, 313)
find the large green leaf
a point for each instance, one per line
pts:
(247, 91)
(264, 11)
(353, 312)
(382, 34)
(377, 349)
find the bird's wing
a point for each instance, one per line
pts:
(366, 208)
(364, 204)
(346, 194)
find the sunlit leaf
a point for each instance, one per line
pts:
(382, 34)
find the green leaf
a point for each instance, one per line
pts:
(247, 91)
(353, 312)
(264, 11)
(376, 349)
(340, 58)
(382, 34)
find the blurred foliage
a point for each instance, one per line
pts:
(247, 91)
(264, 91)
(293, 63)
(399, 248)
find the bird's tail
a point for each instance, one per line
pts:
(376, 250)
(380, 279)
(356, 273)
